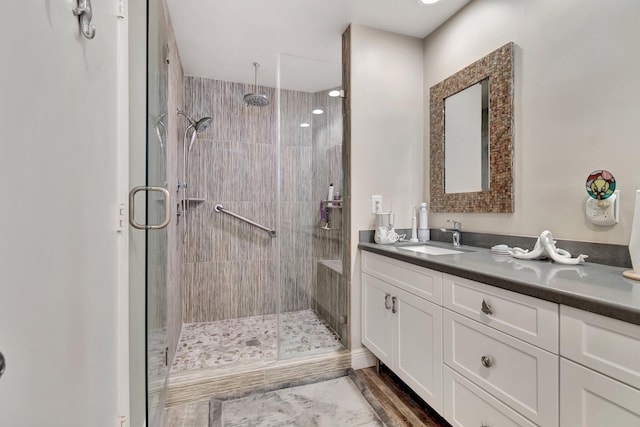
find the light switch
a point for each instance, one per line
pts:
(376, 204)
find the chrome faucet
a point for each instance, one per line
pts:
(455, 231)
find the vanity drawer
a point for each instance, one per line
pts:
(519, 374)
(467, 405)
(606, 345)
(530, 319)
(419, 281)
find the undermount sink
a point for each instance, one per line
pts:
(431, 250)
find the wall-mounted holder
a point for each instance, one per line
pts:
(601, 207)
(84, 12)
(325, 213)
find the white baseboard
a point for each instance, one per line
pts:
(362, 358)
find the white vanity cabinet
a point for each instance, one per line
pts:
(401, 326)
(486, 356)
(599, 370)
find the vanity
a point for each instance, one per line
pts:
(489, 340)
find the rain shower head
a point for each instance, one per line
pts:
(256, 99)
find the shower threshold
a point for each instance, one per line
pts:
(241, 354)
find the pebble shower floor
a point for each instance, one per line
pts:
(234, 343)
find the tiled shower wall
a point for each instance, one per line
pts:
(330, 291)
(230, 268)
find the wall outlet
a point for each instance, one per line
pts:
(376, 204)
(603, 212)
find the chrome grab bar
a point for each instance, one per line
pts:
(220, 208)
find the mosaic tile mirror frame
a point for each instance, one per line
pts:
(497, 67)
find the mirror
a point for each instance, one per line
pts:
(472, 140)
(466, 140)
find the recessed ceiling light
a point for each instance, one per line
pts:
(423, 2)
(304, 125)
(334, 93)
(317, 111)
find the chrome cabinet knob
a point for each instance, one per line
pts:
(486, 308)
(486, 361)
(3, 365)
(394, 305)
(387, 304)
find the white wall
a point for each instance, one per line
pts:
(576, 106)
(386, 135)
(59, 250)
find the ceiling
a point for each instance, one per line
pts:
(220, 39)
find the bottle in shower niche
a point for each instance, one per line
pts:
(330, 195)
(423, 227)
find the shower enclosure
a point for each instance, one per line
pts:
(250, 299)
(232, 307)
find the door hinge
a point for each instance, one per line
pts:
(122, 421)
(121, 217)
(121, 9)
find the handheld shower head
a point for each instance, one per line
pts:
(199, 126)
(202, 124)
(161, 129)
(256, 99)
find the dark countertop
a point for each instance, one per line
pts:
(593, 287)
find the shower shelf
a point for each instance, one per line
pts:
(337, 204)
(195, 200)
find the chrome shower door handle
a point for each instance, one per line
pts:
(3, 365)
(394, 305)
(167, 208)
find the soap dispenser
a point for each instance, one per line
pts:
(423, 227)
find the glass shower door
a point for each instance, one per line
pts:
(156, 247)
(313, 291)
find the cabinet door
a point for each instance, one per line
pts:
(377, 318)
(418, 352)
(589, 399)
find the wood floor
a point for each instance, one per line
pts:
(392, 400)
(398, 405)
